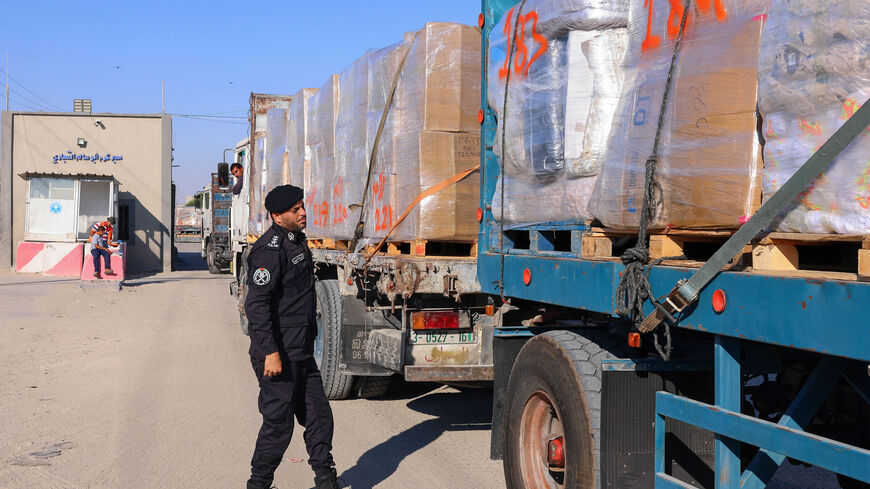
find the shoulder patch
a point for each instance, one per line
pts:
(274, 242)
(261, 277)
(298, 258)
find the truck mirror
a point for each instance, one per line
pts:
(223, 172)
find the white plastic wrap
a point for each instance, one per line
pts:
(553, 95)
(814, 73)
(556, 17)
(322, 116)
(297, 172)
(708, 166)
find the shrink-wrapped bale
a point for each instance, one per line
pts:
(708, 156)
(298, 172)
(557, 108)
(426, 134)
(322, 116)
(257, 213)
(814, 73)
(275, 148)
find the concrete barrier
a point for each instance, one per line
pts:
(118, 261)
(53, 259)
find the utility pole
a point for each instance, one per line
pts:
(163, 94)
(7, 80)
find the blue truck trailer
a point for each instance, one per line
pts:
(759, 368)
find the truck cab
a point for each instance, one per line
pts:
(215, 205)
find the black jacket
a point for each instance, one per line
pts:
(281, 303)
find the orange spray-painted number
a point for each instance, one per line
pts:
(650, 41)
(522, 61)
(718, 6)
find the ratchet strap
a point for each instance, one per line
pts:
(426, 193)
(686, 292)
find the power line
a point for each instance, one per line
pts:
(30, 101)
(209, 119)
(31, 91)
(211, 116)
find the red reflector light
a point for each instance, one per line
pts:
(527, 276)
(479, 214)
(490, 310)
(556, 453)
(719, 301)
(480, 116)
(435, 320)
(634, 340)
(481, 20)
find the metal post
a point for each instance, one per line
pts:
(7, 80)
(660, 444)
(728, 389)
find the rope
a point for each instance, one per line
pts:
(511, 50)
(634, 286)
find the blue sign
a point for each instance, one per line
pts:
(94, 158)
(55, 208)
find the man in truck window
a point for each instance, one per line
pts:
(237, 171)
(281, 307)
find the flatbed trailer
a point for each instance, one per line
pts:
(763, 359)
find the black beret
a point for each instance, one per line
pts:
(283, 197)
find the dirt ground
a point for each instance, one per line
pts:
(151, 387)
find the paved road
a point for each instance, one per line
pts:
(151, 387)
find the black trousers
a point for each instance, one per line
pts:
(298, 392)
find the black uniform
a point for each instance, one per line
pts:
(281, 308)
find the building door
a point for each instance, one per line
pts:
(96, 203)
(51, 210)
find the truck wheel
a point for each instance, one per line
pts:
(209, 258)
(243, 290)
(371, 387)
(327, 345)
(553, 411)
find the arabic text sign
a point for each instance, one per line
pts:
(94, 158)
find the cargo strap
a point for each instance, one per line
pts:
(360, 225)
(426, 193)
(686, 292)
(634, 287)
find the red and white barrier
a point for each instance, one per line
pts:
(118, 260)
(54, 259)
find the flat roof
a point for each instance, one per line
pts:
(85, 114)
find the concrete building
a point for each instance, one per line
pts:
(61, 172)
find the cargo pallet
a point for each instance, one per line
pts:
(416, 247)
(834, 256)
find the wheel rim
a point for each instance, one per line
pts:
(539, 425)
(318, 340)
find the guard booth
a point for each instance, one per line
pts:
(59, 211)
(61, 208)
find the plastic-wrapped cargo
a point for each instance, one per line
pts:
(814, 73)
(559, 103)
(708, 169)
(264, 170)
(257, 214)
(322, 116)
(431, 133)
(298, 171)
(276, 156)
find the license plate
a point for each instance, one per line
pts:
(440, 338)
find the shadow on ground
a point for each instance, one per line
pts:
(381, 461)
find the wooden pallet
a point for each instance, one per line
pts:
(826, 255)
(329, 244)
(423, 247)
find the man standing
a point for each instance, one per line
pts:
(237, 171)
(281, 307)
(108, 226)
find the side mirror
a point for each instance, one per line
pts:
(223, 172)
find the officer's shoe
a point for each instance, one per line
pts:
(329, 481)
(254, 485)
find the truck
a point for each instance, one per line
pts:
(760, 367)
(215, 233)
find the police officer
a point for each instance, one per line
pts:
(281, 308)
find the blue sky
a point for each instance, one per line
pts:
(211, 54)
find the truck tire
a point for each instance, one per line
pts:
(327, 346)
(554, 392)
(243, 290)
(371, 387)
(213, 268)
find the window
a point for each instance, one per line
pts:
(63, 209)
(124, 224)
(206, 197)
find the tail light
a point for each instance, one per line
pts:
(438, 320)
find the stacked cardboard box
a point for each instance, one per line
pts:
(708, 168)
(430, 132)
(322, 116)
(298, 169)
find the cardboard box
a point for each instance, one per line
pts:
(297, 139)
(450, 214)
(322, 114)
